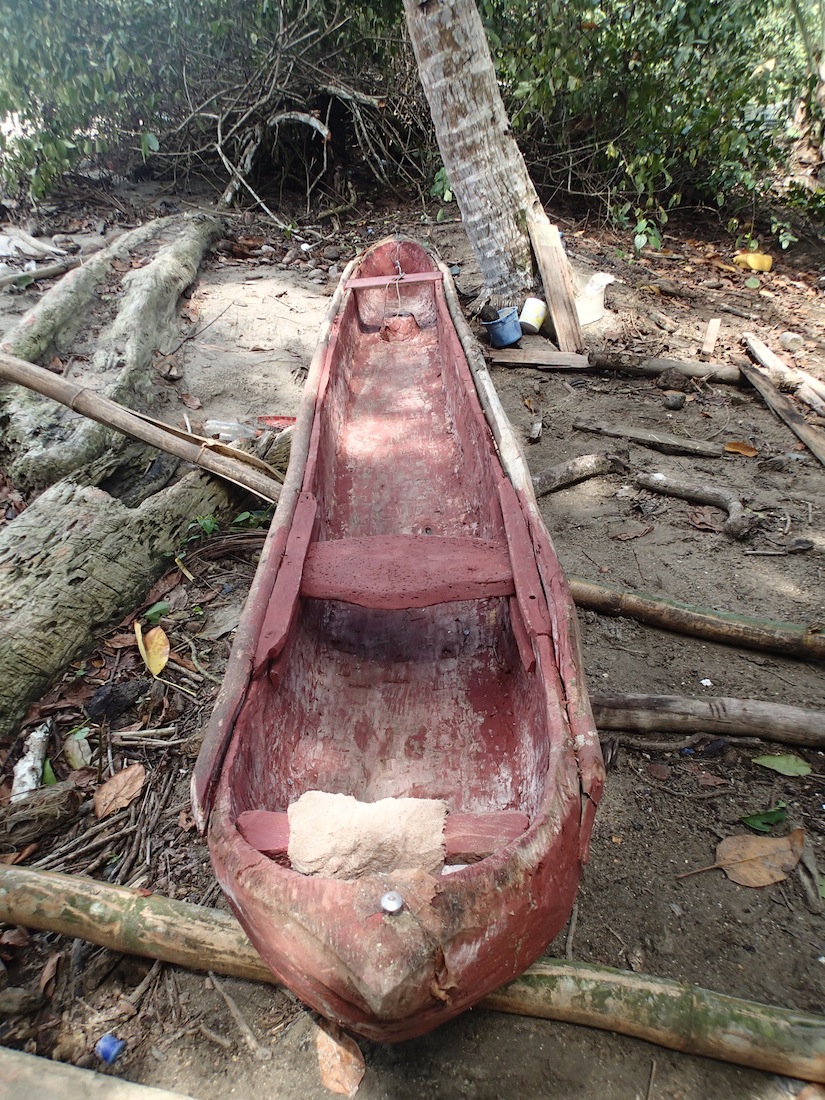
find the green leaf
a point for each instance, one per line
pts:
(822, 888)
(49, 778)
(153, 613)
(753, 283)
(789, 764)
(761, 823)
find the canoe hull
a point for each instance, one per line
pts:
(408, 634)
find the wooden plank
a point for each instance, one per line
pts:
(658, 441)
(807, 388)
(26, 1075)
(525, 646)
(283, 604)
(711, 336)
(538, 352)
(529, 592)
(399, 571)
(367, 282)
(467, 837)
(555, 275)
(813, 438)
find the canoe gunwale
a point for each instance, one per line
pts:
(207, 770)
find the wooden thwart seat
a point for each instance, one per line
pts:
(398, 571)
(467, 837)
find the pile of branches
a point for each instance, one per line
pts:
(309, 114)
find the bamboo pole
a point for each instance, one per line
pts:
(731, 717)
(793, 639)
(239, 468)
(681, 1017)
(674, 1015)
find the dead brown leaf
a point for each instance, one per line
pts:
(634, 532)
(340, 1060)
(15, 937)
(740, 447)
(705, 519)
(190, 401)
(48, 974)
(759, 860)
(119, 791)
(658, 771)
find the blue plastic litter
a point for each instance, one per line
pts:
(109, 1048)
(506, 330)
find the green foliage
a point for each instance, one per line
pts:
(202, 527)
(80, 78)
(649, 102)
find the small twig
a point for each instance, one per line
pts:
(204, 672)
(138, 993)
(197, 332)
(260, 1051)
(213, 1037)
(571, 932)
(651, 1079)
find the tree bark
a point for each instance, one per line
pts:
(89, 547)
(45, 442)
(486, 171)
(501, 211)
(73, 562)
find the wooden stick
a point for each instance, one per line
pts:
(711, 336)
(783, 407)
(739, 521)
(42, 1079)
(47, 271)
(238, 467)
(537, 352)
(658, 441)
(730, 717)
(794, 639)
(577, 469)
(681, 1017)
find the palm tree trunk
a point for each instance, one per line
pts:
(486, 170)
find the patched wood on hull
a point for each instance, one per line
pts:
(408, 634)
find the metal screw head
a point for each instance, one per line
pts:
(392, 902)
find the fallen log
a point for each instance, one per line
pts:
(730, 717)
(680, 1017)
(630, 363)
(658, 441)
(672, 1014)
(577, 469)
(791, 639)
(238, 467)
(783, 407)
(739, 521)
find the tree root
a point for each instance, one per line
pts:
(47, 442)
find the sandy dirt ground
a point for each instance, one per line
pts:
(252, 320)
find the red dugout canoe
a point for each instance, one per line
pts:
(408, 635)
